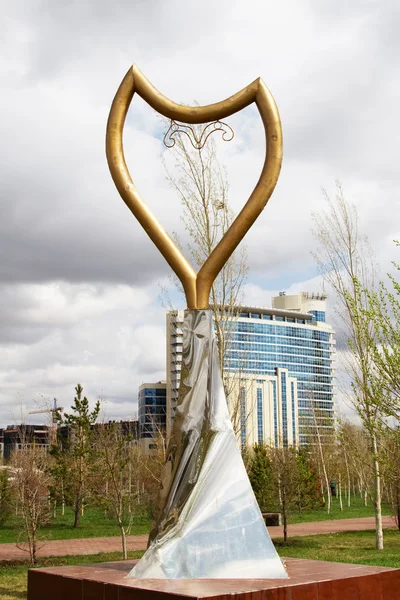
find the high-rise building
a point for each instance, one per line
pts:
(151, 413)
(278, 370)
(263, 408)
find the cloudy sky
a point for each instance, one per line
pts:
(79, 280)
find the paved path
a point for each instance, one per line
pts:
(334, 526)
(139, 542)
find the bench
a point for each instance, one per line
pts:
(272, 519)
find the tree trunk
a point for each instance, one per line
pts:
(123, 539)
(130, 488)
(62, 498)
(284, 511)
(340, 493)
(33, 550)
(321, 454)
(377, 495)
(77, 512)
(284, 526)
(328, 490)
(348, 481)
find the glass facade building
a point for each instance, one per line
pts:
(260, 343)
(291, 347)
(152, 402)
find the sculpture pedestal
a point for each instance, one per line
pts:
(309, 580)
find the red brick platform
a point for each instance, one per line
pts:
(309, 580)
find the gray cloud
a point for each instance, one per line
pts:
(74, 264)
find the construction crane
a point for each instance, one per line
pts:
(54, 412)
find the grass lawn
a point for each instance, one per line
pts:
(350, 547)
(356, 510)
(13, 577)
(358, 548)
(93, 524)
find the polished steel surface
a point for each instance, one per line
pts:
(209, 524)
(196, 286)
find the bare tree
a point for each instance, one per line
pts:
(151, 469)
(31, 482)
(5, 494)
(321, 461)
(345, 438)
(320, 435)
(346, 262)
(115, 471)
(285, 471)
(201, 184)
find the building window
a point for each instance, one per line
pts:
(260, 415)
(293, 412)
(284, 410)
(318, 315)
(243, 417)
(303, 348)
(275, 414)
(151, 411)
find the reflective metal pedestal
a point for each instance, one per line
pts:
(209, 523)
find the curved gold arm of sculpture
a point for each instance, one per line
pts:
(197, 287)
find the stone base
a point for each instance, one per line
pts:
(309, 580)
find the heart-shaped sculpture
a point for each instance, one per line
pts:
(196, 286)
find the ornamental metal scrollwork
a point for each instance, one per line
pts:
(197, 141)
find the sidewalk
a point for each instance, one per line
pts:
(139, 542)
(334, 526)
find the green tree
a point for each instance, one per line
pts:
(391, 443)
(59, 490)
(5, 495)
(260, 475)
(308, 484)
(347, 264)
(75, 454)
(383, 311)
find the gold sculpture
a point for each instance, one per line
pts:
(208, 523)
(196, 286)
